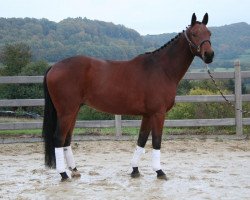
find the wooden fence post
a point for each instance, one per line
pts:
(238, 98)
(118, 125)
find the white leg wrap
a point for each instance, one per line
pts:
(137, 156)
(156, 159)
(60, 165)
(69, 157)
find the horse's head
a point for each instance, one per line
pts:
(198, 37)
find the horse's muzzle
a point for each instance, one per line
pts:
(208, 57)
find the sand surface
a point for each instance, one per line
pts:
(197, 169)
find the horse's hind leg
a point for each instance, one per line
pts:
(141, 142)
(69, 154)
(64, 124)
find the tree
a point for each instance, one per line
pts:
(37, 68)
(26, 91)
(15, 57)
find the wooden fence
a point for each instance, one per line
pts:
(236, 98)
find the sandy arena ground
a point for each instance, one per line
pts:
(197, 169)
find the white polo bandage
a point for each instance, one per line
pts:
(60, 165)
(156, 159)
(69, 157)
(137, 156)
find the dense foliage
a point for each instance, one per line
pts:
(53, 41)
(14, 57)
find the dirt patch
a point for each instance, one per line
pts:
(197, 169)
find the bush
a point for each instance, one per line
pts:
(87, 113)
(201, 110)
(25, 91)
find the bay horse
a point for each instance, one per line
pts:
(145, 85)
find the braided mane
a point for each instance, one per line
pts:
(165, 45)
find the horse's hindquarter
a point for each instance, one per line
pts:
(66, 82)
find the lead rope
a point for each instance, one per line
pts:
(224, 97)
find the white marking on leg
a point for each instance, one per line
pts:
(156, 159)
(69, 157)
(60, 164)
(137, 156)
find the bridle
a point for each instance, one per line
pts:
(192, 45)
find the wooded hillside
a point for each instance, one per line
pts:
(53, 41)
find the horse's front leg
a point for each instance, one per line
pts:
(141, 142)
(157, 127)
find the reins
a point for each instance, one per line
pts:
(221, 93)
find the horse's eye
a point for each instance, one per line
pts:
(193, 34)
(209, 33)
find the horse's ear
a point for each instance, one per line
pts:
(193, 19)
(205, 19)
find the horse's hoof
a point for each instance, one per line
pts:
(135, 173)
(75, 174)
(161, 175)
(64, 177)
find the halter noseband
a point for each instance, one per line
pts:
(191, 44)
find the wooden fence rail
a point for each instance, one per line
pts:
(236, 98)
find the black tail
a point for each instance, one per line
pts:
(49, 126)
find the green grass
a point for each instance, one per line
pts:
(77, 131)
(21, 132)
(14, 119)
(129, 131)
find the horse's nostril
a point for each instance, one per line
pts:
(209, 54)
(208, 57)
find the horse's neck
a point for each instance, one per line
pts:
(176, 58)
